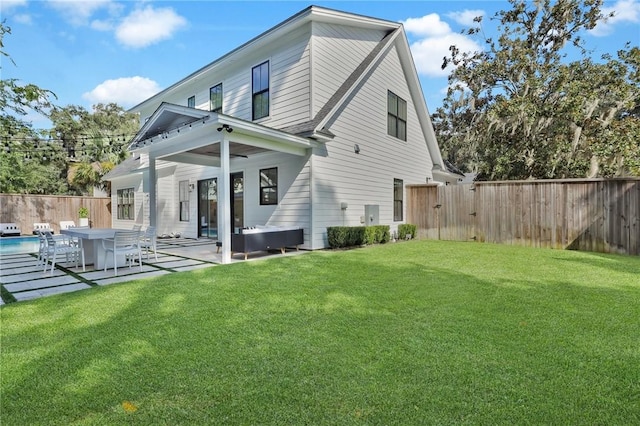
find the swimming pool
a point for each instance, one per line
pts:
(18, 245)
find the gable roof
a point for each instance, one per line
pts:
(316, 124)
(262, 41)
(315, 128)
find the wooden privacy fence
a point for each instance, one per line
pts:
(600, 215)
(25, 210)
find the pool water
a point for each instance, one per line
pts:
(19, 245)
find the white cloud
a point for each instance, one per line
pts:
(436, 37)
(79, 12)
(428, 25)
(625, 11)
(102, 25)
(147, 26)
(466, 17)
(126, 92)
(8, 5)
(23, 18)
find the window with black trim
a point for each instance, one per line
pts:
(398, 197)
(215, 98)
(396, 116)
(269, 186)
(183, 195)
(125, 203)
(260, 90)
(191, 102)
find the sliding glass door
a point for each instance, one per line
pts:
(208, 208)
(237, 206)
(208, 205)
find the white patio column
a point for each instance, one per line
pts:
(152, 191)
(223, 200)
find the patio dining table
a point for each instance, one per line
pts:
(92, 244)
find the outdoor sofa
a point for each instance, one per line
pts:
(263, 238)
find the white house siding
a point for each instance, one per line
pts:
(293, 208)
(171, 222)
(166, 213)
(367, 178)
(337, 51)
(289, 84)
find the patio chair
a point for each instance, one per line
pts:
(125, 243)
(42, 250)
(137, 228)
(148, 241)
(66, 224)
(41, 226)
(59, 246)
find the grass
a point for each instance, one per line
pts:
(416, 332)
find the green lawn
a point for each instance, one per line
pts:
(418, 332)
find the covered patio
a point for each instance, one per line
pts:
(188, 135)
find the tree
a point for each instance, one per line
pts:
(95, 141)
(21, 172)
(518, 110)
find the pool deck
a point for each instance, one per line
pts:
(22, 279)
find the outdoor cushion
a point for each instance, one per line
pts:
(9, 229)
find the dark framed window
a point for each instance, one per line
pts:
(191, 102)
(260, 90)
(269, 186)
(183, 196)
(125, 203)
(398, 197)
(396, 116)
(215, 98)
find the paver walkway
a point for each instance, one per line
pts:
(22, 279)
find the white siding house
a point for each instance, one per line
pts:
(322, 119)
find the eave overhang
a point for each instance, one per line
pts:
(183, 134)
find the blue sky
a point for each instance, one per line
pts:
(93, 51)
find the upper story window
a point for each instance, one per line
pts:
(260, 90)
(396, 116)
(191, 102)
(269, 186)
(215, 98)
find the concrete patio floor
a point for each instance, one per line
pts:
(22, 279)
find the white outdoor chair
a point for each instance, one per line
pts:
(148, 241)
(125, 243)
(137, 227)
(66, 224)
(41, 226)
(59, 246)
(42, 250)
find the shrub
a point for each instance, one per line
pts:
(349, 236)
(405, 229)
(377, 234)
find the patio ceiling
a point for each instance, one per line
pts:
(189, 135)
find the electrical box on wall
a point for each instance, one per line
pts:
(371, 214)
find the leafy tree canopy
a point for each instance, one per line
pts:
(95, 141)
(520, 110)
(72, 157)
(17, 173)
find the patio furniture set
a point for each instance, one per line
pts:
(102, 247)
